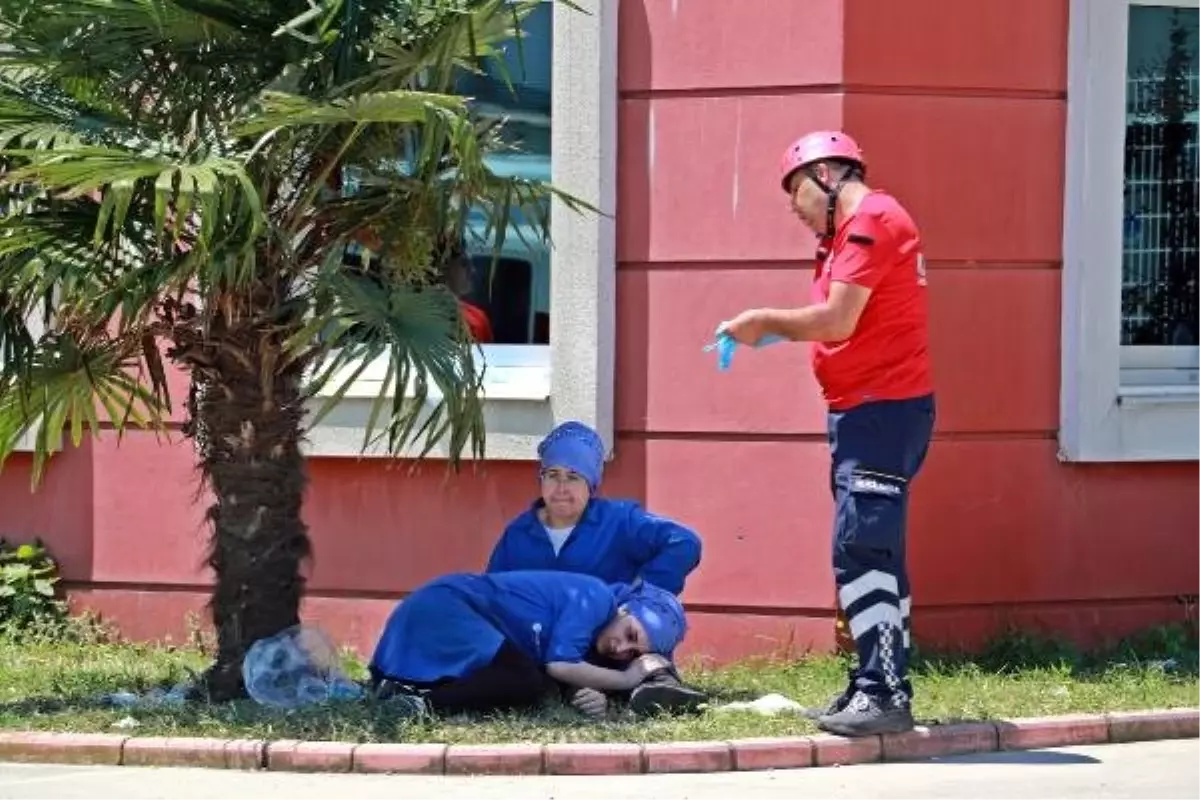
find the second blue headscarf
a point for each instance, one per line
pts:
(659, 611)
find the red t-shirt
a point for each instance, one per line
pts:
(887, 357)
(477, 322)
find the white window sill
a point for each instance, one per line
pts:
(511, 372)
(1159, 395)
(517, 414)
(517, 409)
(27, 443)
(1138, 424)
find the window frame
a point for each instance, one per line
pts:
(529, 389)
(27, 443)
(1117, 403)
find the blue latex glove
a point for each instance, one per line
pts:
(726, 344)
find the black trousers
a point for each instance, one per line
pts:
(878, 448)
(512, 680)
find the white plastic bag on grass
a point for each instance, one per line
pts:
(770, 705)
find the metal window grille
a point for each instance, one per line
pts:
(1159, 264)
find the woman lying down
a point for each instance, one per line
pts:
(479, 643)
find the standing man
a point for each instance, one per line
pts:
(867, 321)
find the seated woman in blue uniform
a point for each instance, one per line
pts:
(569, 528)
(477, 643)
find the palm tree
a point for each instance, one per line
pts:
(179, 181)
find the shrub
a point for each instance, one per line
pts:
(29, 601)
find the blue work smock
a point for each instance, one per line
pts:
(615, 540)
(455, 624)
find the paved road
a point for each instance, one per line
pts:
(1149, 769)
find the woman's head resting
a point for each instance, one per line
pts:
(649, 620)
(624, 638)
(572, 464)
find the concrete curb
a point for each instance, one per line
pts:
(601, 758)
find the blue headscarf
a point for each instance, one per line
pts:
(659, 611)
(576, 447)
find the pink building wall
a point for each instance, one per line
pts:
(961, 109)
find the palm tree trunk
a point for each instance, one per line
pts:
(246, 416)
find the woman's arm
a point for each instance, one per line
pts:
(516, 549)
(589, 676)
(499, 561)
(671, 550)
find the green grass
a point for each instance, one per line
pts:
(54, 686)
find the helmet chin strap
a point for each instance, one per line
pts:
(831, 196)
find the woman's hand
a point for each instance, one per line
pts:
(589, 676)
(590, 703)
(642, 666)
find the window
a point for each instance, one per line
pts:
(548, 310)
(1130, 361)
(513, 292)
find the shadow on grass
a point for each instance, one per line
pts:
(1170, 648)
(348, 720)
(365, 721)
(44, 706)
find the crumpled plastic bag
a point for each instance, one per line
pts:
(296, 667)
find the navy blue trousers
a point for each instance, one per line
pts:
(877, 449)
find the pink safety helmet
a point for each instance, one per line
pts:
(818, 146)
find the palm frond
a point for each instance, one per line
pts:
(56, 386)
(280, 110)
(166, 63)
(16, 340)
(127, 24)
(51, 253)
(431, 48)
(432, 388)
(24, 121)
(206, 185)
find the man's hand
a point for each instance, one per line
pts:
(746, 328)
(590, 703)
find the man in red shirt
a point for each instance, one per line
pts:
(867, 321)
(458, 278)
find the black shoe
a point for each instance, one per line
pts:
(407, 700)
(836, 703)
(663, 691)
(867, 715)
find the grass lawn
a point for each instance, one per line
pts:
(54, 686)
